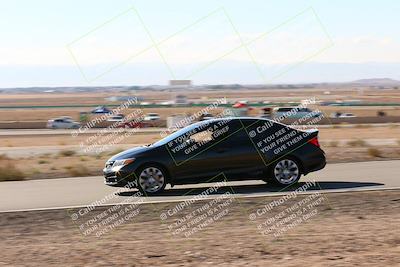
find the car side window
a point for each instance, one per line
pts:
(203, 136)
(210, 132)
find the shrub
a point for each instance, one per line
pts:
(77, 170)
(8, 170)
(357, 142)
(42, 161)
(35, 171)
(45, 155)
(67, 153)
(374, 152)
(11, 173)
(334, 143)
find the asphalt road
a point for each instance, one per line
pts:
(71, 192)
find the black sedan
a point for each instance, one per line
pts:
(219, 149)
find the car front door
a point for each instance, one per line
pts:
(219, 147)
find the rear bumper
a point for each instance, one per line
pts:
(314, 161)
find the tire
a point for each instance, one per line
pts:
(151, 179)
(284, 172)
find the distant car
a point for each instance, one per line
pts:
(342, 115)
(167, 103)
(204, 150)
(145, 103)
(347, 115)
(62, 123)
(294, 112)
(117, 118)
(101, 110)
(152, 117)
(132, 124)
(266, 112)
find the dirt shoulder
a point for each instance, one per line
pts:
(348, 229)
(68, 163)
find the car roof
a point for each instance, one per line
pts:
(291, 107)
(242, 118)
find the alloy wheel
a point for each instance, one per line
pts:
(286, 171)
(151, 179)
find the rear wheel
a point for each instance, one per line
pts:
(285, 172)
(151, 180)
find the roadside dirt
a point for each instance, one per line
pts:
(348, 229)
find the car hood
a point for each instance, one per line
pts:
(130, 153)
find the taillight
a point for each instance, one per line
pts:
(314, 141)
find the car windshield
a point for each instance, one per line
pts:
(177, 134)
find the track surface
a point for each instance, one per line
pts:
(67, 192)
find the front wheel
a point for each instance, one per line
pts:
(151, 180)
(285, 172)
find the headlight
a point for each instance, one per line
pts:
(123, 162)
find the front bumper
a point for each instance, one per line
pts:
(118, 178)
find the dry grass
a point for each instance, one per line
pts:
(357, 143)
(115, 151)
(363, 126)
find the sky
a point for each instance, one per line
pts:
(146, 42)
